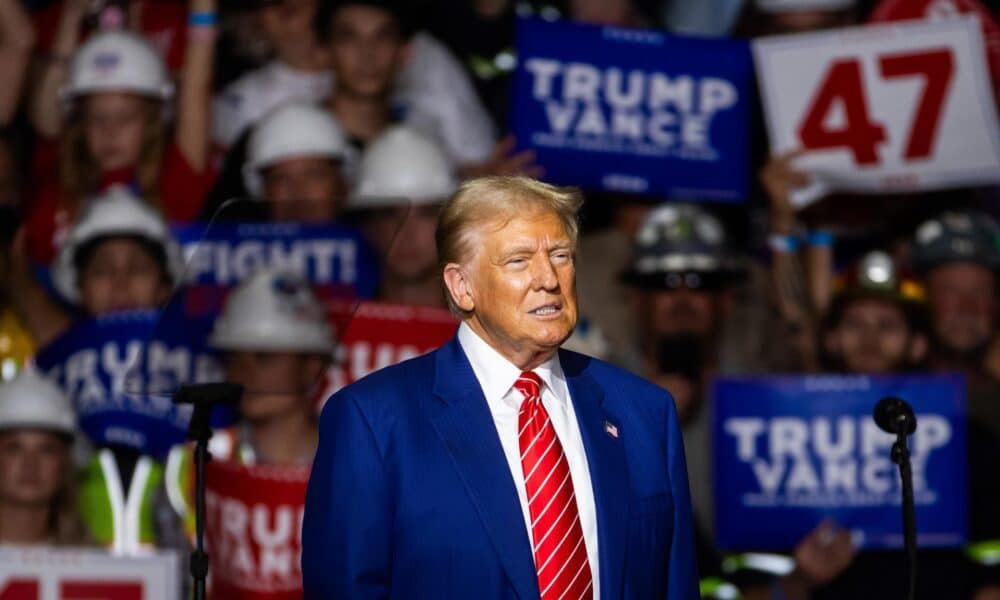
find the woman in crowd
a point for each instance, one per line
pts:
(117, 94)
(37, 479)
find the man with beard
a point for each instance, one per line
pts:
(957, 256)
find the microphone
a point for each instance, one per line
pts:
(895, 416)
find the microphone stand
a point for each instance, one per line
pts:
(900, 455)
(203, 397)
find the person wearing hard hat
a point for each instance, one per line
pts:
(403, 178)
(119, 256)
(37, 479)
(877, 321)
(275, 342)
(295, 162)
(117, 93)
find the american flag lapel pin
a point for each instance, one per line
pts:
(611, 429)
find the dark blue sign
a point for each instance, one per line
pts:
(334, 258)
(634, 111)
(120, 371)
(792, 451)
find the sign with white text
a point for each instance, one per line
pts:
(634, 111)
(896, 107)
(70, 574)
(792, 451)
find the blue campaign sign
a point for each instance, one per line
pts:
(119, 372)
(634, 111)
(334, 258)
(792, 451)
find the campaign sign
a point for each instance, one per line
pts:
(334, 258)
(381, 334)
(902, 10)
(634, 111)
(30, 573)
(792, 451)
(895, 107)
(120, 371)
(253, 529)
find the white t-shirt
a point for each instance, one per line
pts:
(432, 93)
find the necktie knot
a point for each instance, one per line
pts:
(529, 384)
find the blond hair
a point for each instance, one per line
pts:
(494, 199)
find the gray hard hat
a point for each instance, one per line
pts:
(957, 236)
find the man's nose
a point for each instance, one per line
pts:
(545, 276)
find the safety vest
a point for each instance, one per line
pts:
(179, 476)
(122, 520)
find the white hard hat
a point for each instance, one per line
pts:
(779, 6)
(118, 212)
(276, 311)
(31, 401)
(118, 61)
(292, 130)
(403, 166)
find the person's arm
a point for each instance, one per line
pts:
(45, 110)
(17, 38)
(41, 314)
(346, 531)
(682, 571)
(819, 559)
(195, 97)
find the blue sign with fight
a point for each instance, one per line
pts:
(791, 451)
(334, 258)
(120, 372)
(634, 111)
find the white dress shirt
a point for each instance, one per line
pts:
(496, 377)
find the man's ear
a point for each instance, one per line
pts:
(459, 287)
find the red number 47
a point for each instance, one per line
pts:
(859, 133)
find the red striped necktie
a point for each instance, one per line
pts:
(560, 553)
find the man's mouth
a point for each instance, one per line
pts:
(546, 310)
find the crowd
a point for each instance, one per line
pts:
(123, 122)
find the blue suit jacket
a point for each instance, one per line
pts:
(411, 495)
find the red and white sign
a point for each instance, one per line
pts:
(65, 574)
(883, 108)
(253, 530)
(380, 335)
(935, 10)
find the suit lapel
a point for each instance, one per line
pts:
(608, 470)
(464, 423)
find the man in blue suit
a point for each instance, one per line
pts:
(499, 466)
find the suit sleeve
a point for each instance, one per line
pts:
(346, 528)
(682, 571)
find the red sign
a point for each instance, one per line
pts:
(901, 10)
(380, 335)
(253, 529)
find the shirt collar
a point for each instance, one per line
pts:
(495, 373)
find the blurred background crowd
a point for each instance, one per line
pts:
(124, 120)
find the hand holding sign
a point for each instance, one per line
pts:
(882, 108)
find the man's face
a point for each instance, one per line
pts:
(404, 236)
(288, 23)
(872, 337)
(679, 312)
(275, 384)
(306, 189)
(32, 465)
(963, 305)
(522, 284)
(366, 49)
(121, 274)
